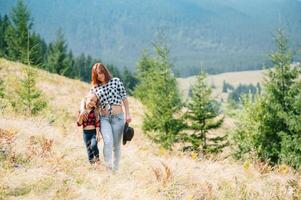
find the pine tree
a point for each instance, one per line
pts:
(80, 67)
(29, 96)
(275, 118)
(88, 66)
(157, 90)
(201, 116)
(4, 24)
(129, 80)
(114, 70)
(225, 88)
(57, 60)
(69, 61)
(277, 104)
(18, 32)
(38, 48)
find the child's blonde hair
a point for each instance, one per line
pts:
(83, 104)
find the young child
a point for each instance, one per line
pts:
(91, 125)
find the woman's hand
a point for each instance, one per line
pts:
(98, 136)
(128, 118)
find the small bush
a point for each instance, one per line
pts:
(8, 157)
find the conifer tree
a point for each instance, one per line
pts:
(225, 88)
(69, 61)
(38, 48)
(80, 67)
(88, 67)
(18, 32)
(29, 96)
(130, 81)
(4, 24)
(57, 60)
(201, 117)
(157, 90)
(114, 70)
(271, 126)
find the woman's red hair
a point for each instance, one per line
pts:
(104, 70)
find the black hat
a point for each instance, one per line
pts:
(128, 133)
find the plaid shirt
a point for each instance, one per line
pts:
(92, 120)
(111, 93)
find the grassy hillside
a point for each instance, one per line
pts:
(47, 158)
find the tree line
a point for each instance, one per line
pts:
(237, 94)
(18, 42)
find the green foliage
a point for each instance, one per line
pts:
(38, 50)
(17, 40)
(2, 96)
(4, 24)
(114, 70)
(18, 32)
(29, 97)
(157, 90)
(271, 127)
(18, 43)
(227, 86)
(57, 61)
(246, 130)
(201, 117)
(82, 67)
(235, 97)
(130, 81)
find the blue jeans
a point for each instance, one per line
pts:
(91, 145)
(112, 132)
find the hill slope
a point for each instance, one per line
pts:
(61, 170)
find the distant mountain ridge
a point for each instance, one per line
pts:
(220, 35)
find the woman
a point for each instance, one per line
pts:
(112, 97)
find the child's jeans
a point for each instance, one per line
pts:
(91, 145)
(112, 132)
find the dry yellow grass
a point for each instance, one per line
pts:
(60, 170)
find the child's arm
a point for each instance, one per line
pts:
(83, 110)
(79, 119)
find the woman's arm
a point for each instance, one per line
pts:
(125, 102)
(128, 117)
(97, 125)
